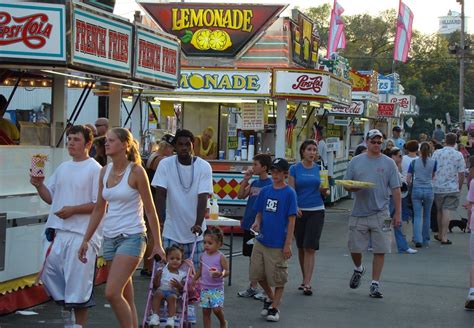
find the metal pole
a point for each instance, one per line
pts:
(461, 70)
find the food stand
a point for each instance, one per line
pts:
(228, 87)
(62, 45)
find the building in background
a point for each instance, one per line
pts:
(451, 23)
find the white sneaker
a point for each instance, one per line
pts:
(170, 322)
(469, 305)
(411, 251)
(261, 296)
(154, 320)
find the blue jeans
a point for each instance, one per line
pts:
(400, 238)
(422, 198)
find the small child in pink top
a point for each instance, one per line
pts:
(213, 268)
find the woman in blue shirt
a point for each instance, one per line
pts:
(305, 179)
(420, 174)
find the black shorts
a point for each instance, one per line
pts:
(246, 248)
(308, 229)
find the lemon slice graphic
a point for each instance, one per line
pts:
(201, 39)
(220, 40)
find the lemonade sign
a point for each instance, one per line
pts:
(213, 29)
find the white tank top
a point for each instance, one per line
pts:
(125, 212)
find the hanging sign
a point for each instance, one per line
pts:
(32, 31)
(157, 57)
(208, 29)
(300, 83)
(386, 110)
(304, 41)
(101, 41)
(252, 116)
(406, 103)
(356, 108)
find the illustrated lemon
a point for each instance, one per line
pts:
(201, 39)
(196, 81)
(220, 40)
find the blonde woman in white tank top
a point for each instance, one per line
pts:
(124, 186)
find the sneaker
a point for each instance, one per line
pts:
(154, 320)
(249, 292)
(170, 322)
(374, 291)
(469, 305)
(266, 305)
(273, 315)
(411, 251)
(356, 277)
(261, 296)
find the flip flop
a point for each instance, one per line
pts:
(301, 287)
(447, 242)
(437, 237)
(307, 291)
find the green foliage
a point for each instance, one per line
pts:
(431, 74)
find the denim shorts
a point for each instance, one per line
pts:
(131, 245)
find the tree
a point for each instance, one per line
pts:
(431, 74)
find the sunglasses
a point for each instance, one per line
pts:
(376, 142)
(98, 125)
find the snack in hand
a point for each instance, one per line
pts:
(38, 164)
(355, 184)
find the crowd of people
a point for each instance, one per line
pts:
(115, 206)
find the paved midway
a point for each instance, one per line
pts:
(427, 289)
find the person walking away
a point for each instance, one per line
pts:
(370, 217)
(400, 235)
(213, 268)
(438, 134)
(420, 175)
(183, 183)
(72, 193)
(275, 222)
(306, 180)
(260, 167)
(125, 191)
(447, 183)
(469, 304)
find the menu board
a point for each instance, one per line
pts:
(252, 116)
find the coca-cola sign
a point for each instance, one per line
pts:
(355, 108)
(300, 84)
(32, 30)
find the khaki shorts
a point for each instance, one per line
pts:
(268, 264)
(449, 201)
(364, 229)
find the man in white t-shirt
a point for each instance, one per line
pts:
(447, 184)
(183, 185)
(72, 193)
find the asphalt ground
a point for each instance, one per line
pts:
(427, 289)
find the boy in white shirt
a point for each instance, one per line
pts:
(72, 192)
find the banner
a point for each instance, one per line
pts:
(32, 31)
(101, 41)
(157, 57)
(403, 35)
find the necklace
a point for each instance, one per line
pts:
(186, 188)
